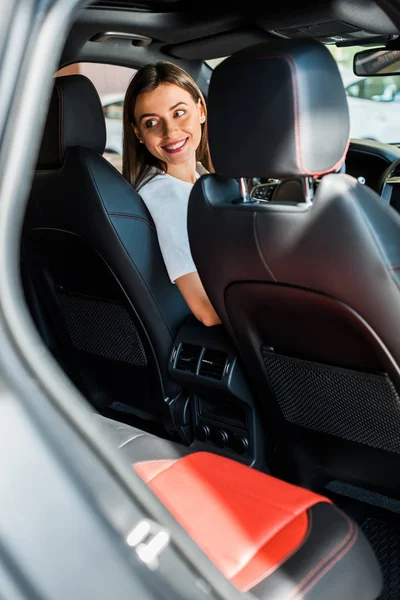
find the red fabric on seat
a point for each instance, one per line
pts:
(247, 522)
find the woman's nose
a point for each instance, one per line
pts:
(169, 127)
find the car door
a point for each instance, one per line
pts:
(68, 501)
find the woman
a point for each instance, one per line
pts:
(165, 151)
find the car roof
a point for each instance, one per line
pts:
(131, 33)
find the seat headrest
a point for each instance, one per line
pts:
(278, 109)
(75, 118)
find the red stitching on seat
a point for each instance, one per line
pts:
(341, 549)
(275, 567)
(292, 66)
(329, 567)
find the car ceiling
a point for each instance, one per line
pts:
(188, 34)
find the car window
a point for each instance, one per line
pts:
(378, 89)
(374, 106)
(113, 110)
(355, 90)
(111, 82)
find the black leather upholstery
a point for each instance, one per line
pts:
(136, 445)
(264, 112)
(75, 118)
(309, 290)
(92, 235)
(333, 560)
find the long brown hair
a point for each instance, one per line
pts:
(138, 164)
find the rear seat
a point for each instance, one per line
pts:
(269, 537)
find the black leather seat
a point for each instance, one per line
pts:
(91, 249)
(268, 537)
(308, 290)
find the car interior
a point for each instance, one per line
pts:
(275, 435)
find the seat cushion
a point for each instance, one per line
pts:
(269, 537)
(277, 540)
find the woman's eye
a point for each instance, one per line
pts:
(179, 112)
(150, 123)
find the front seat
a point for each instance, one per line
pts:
(310, 291)
(90, 247)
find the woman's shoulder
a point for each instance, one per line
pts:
(152, 183)
(161, 181)
(169, 189)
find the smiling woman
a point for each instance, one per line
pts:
(168, 123)
(165, 151)
(91, 325)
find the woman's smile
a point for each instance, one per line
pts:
(175, 146)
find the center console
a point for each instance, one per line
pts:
(224, 416)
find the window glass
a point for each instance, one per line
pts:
(113, 110)
(381, 89)
(374, 102)
(354, 90)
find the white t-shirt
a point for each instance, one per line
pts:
(167, 199)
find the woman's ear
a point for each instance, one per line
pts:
(136, 132)
(202, 112)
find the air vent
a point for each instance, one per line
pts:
(188, 358)
(213, 364)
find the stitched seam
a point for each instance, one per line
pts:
(334, 553)
(272, 569)
(129, 214)
(135, 217)
(133, 264)
(60, 122)
(331, 565)
(99, 103)
(263, 260)
(374, 237)
(162, 472)
(293, 68)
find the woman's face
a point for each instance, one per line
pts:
(168, 121)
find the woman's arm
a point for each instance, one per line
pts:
(196, 298)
